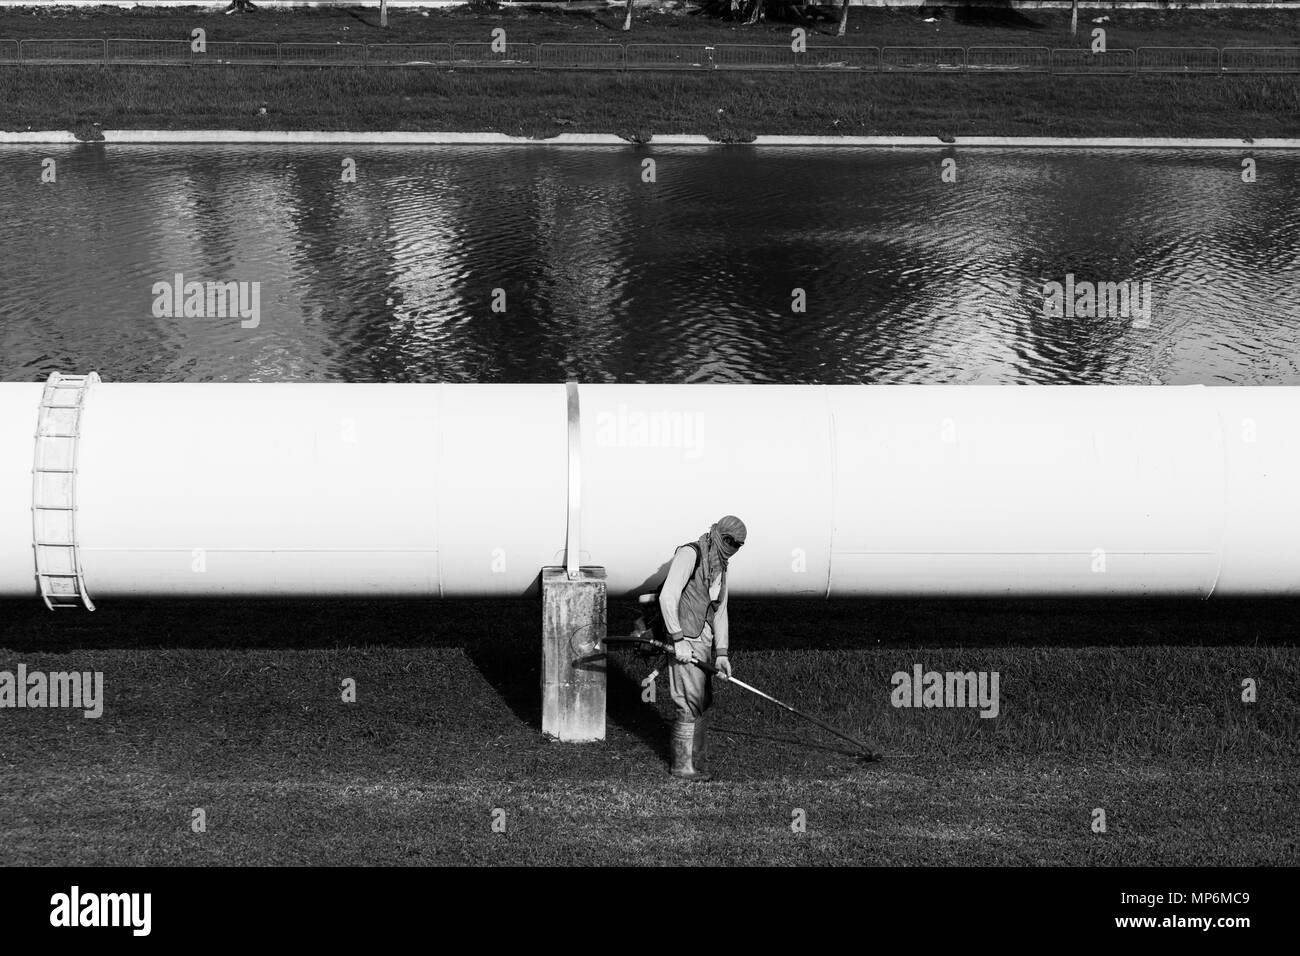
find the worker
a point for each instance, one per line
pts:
(693, 606)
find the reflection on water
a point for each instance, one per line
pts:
(692, 278)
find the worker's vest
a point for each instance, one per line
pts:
(696, 608)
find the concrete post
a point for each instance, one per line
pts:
(573, 674)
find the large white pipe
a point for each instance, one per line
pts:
(460, 490)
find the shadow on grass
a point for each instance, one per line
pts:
(512, 665)
(360, 17)
(796, 742)
(625, 709)
(995, 15)
(488, 627)
(501, 640)
(262, 624)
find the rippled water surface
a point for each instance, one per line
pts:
(607, 278)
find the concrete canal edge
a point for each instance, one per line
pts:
(341, 138)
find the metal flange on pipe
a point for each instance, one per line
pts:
(269, 490)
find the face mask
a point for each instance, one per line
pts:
(720, 544)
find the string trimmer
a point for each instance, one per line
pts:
(643, 638)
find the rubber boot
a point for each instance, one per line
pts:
(700, 747)
(683, 742)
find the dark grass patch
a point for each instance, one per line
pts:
(727, 107)
(966, 26)
(952, 816)
(759, 624)
(440, 736)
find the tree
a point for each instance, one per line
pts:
(751, 11)
(1074, 17)
(844, 19)
(627, 22)
(383, 13)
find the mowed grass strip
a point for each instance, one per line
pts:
(438, 710)
(729, 107)
(726, 107)
(867, 27)
(287, 772)
(1009, 814)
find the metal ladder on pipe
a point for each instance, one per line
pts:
(54, 491)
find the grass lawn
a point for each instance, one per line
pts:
(205, 708)
(867, 27)
(1128, 707)
(726, 106)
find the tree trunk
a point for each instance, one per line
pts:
(1074, 17)
(756, 13)
(627, 21)
(383, 13)
(844, 20)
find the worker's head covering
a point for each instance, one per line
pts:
(715, 550)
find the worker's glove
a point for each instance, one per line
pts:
(682, 651)
(723, 665)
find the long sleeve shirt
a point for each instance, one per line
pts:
(679, 575)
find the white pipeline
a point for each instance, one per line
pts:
(461, 490)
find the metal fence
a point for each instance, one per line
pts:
(62, 51)
(660, 56)
(1245, 59)
(922, 59)
(862, 58)
(510, 56)
(1087, 62)
(223, 53)
(752, 56)
(322, 54)
(409, 54)
(1008, 59)
(149, 52)
(1178, 59)
(580, 56)
(668, 56)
